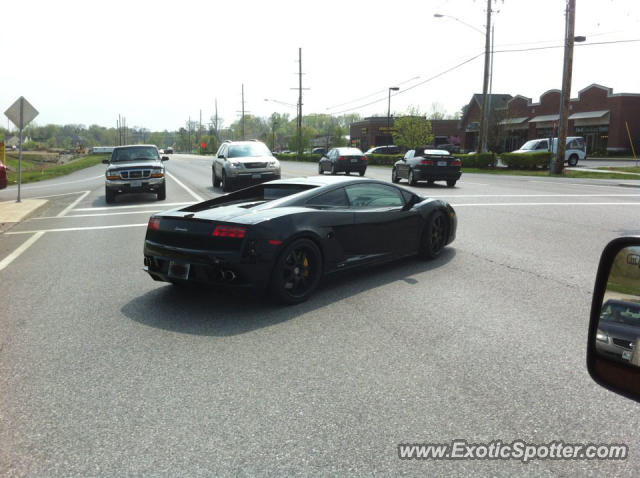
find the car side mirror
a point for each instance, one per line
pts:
(613, 347)
(165, 158)
(105, 161)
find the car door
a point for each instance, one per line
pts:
(333, 219)
(326, 163)
(405, 165)
(219, 163)
(382, 228)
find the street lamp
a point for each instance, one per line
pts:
(392, 88)
(484, 119)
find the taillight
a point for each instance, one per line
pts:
(154, 223)
(236, 232)
(364, 158)
(456, 162)
(427, 162)
(342, 158)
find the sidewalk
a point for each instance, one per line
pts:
(601, 171)
(12, 212)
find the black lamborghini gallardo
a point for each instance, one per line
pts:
(284, 236)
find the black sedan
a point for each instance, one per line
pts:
(427, 165)
(284, 236)
(343, 160)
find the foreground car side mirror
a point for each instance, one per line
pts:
(165, 158)
(613, 348)
(105, 161)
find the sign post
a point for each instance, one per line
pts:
(21, 113)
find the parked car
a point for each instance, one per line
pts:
(242, 163)
(3, 176)
(618, 329)
(343, 160)
(321, 151)
(168, 150)
(284, 236)
(576, 148)
(389, 149)
(135, 169)
(452, 148)
(427, 165)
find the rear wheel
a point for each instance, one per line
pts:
(451, 182)
(394, 175)
(297, 272)
(434, 236)
(110, 196)
(573, 160)
(162, 192)
(412, 178)
(362, 171)
(226, 183)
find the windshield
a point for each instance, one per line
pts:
(139, 153)
(529, 145)
(248, 150)
(621, 313)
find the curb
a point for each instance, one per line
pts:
(28, 210)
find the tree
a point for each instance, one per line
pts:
(436, 111)
(413, 130)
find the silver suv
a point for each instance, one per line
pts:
(135, 169)
(242, 163)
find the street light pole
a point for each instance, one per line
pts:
(392, 88)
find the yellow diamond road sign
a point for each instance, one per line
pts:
(21, 113)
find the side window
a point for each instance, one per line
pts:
(543, 145)
(222, 150)
(372, 196)
(336, 198)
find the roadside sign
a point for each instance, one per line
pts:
(203, 145)
(21, 113)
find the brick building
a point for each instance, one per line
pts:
(375, 131)
(597, 114)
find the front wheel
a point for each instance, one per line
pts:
(573, 160)
(297, 272)
(110, 196)
(162, 192)
(214, 179)
(226, 183)
(434, 236)
(320, 171)
(394, 176)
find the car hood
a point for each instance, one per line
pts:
(625, 331)
(134, 164)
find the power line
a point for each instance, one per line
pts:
(370, 95)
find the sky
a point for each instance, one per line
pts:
(157, 63)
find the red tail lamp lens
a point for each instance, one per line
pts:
(236, 232)
(154, 223)
(427, 162)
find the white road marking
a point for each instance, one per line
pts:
(534, 195)
(111, 208)
(66, 229)
(29, 188)
(97, 215)
(180, 183)
(73, 204)
(476, 184)
(560, 182)
(550, 204)
(25, 245)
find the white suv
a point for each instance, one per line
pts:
(575, 150)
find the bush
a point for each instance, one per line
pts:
(526, 160)
(479, 160)
(382, 159)
(312, 158)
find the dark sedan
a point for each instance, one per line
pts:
(618, 329)
(427, 165)
(343, 160)
(284, 236)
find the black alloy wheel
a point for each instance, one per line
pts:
(434, 236)
(297, 272)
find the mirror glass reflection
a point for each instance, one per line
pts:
(618, 335)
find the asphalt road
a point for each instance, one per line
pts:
(104, 372)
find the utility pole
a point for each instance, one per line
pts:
(243, 136)
(189, 134)
(482, 140)
(299, 88)
(565, 95)
(216, 123)
(200, 133)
